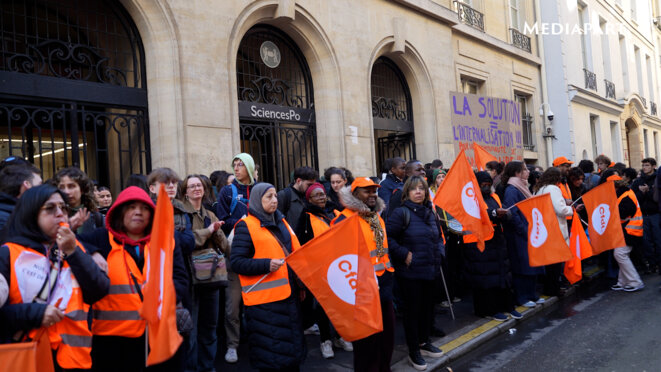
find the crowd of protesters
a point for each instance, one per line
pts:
(231, 230)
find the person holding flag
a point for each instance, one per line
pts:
(118, 342)
(262, 241)
(488, 272)
(632, 225)
(524, 277)
(372, 353)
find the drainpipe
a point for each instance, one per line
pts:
(548, 130)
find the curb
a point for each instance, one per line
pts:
(469, 338)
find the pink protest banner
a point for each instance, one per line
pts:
(493, 123)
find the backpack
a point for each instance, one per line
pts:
(236, 199)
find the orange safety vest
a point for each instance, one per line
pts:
(471, 238)
(275, 286)
(319, 225)
(381, 264)
(634, 225)
(117, 314)
(70, 336)
(566, 193)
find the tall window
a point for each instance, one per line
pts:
(616, 142)
(656, 145)
(647, 150)
(650, 77)
(583, 18)
(527, 129)
(605, 51)
(624, 61)
(639, 70)
(515, 14)
(594, 130)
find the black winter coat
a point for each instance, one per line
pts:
(7, 203)
(646, 199)
(275, 331)
(491, 268)
(421, 238)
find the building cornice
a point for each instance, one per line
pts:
(449, 17)
(591, 99)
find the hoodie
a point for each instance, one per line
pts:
(97, 240)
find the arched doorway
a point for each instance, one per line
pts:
(74, 88)
(276, 104)
(392, 112)
(634, 149)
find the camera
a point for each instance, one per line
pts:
(550, 115)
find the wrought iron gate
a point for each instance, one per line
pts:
(276, 105)
(392, 112)
(74, 88)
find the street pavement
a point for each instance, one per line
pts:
(595, 330)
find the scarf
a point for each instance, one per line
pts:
(372, 218)
(520, 185)
(255, 204)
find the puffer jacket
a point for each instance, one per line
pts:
(275, 331)
(491, 268)
(421, 237)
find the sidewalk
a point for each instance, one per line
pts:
(463, 334)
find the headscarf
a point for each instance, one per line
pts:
(312, 187)
(255, 204)
(250, 166)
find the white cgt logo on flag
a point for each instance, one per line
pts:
(600, 217)
(469, 200)
(343, 277)
(538, 233)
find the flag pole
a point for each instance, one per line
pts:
(259, 281)
(447, 294)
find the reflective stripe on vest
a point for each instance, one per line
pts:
(319, 226)
(70, 336)
(275, 286)
(634, 225)
(470, 237)
(381, 264)
(117, 313)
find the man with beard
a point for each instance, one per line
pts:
(372, 353)
(291, 200)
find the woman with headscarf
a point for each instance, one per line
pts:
(38, 246)
(262, 241)
(524, 277)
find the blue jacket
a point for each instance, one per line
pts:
(421, 238)
(275, 331)
(223, 211)
(388, 186)
(516, 231)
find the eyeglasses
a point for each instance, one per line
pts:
(239, 164)
(196, 186)
(51, 208)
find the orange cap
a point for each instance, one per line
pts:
(363, 182)
(614, 177)
(561, 160)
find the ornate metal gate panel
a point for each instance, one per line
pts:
(73, 89)
(276, 106)
(392, 112)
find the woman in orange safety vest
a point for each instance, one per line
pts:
(261, 242)
(52, 280)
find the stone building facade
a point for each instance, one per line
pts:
(294, 82)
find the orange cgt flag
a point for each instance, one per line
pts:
(579, 245)
(545, 242)
(482, 157)
(159, 304)
(341, 277)
(460, 196)
(604, 225)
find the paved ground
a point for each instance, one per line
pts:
(596, 330)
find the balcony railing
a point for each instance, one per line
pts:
(527, 132)
(590, 80)
(653, 108)
(610, 89)
(644, 101)
(469, 15)
(520, 40)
